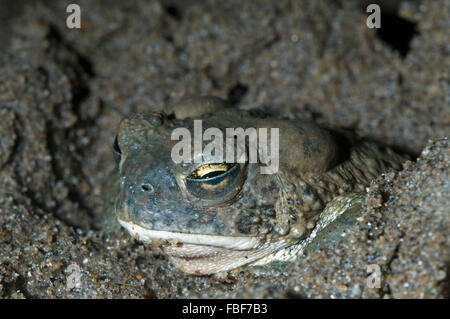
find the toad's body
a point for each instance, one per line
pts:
(211, 217)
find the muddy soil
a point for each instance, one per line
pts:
(63, 92)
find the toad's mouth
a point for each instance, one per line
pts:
(205, 254)
(227, 242)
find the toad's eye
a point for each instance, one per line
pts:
(117, 153)
(215, 181)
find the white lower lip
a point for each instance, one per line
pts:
(229, 242)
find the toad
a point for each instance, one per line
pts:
(211, 216)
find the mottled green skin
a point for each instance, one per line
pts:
(316, 166)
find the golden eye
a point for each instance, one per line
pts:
(211, 173)
(213, 181)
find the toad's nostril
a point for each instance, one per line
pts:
(147, 187)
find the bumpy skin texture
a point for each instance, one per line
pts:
(255, 215)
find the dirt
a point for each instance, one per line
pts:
(63, 92)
